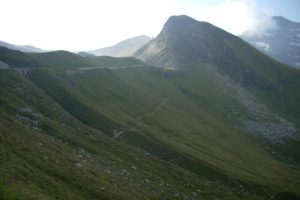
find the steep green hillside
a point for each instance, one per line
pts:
(180, 116)
(220, 120)
(16, 59)
(46, 153)
(273, 107)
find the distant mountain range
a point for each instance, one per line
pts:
(124, 48)
(23, 48)
(281, 43)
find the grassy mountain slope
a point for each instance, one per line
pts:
(16, 59)
(46, 153)
(165, 131)
(171, 110)
(185, 43)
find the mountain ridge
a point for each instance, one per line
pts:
(192, 44)
(124, 48)
(23, 48)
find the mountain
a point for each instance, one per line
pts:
(185, 43)
(23, 48)
(213, 119)
(282, 43)
(51, 134)
(85, 54)
(124, 48)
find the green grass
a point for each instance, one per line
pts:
(42, 157)
(16, 59)
(191, 124)
(179, 134)
(8, 194)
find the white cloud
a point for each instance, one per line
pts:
(237, 17)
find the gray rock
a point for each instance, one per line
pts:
(125, 172)
(147, 181)
(3, 65)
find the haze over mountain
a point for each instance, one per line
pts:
(23, 48)
(205, 116)
(124, 48)
(282, 43)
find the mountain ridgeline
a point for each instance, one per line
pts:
(23, 48)
(124, 48)
(204, 115)
(185, 42)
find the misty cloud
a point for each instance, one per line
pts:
(261, 22)
(237, 17)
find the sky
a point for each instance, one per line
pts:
(78, 25)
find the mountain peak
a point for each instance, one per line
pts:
(185, 42)
(180, 22)
(181, 39)
(177, 24)
(282, 21)
(180, 19)
(280, 18)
